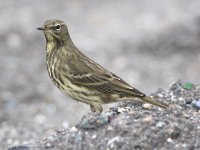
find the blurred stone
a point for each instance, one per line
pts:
(160, 124)
(19, 148)
(188, 86)
(120, 110)
(147, 105)
(169, 140)
(49, 145)
(148, 119)
(176, 85)
(196, 104)
(112, 141)
(73, 129)
(94, 121)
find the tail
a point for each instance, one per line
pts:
(154, 102)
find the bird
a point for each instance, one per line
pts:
(81, 78)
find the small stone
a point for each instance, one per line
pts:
(169, 140)
(188, 86)
(196, 104)
(160, 95)
(109, 128)
(49, 145)
(175, 85)
(147, 105)
(73, 129)
(78, 137)
(120, 110)
(188, 100)
(181, 99)
(94, 136)
(173, 98)
(184, 145)
(19, 148)
(112, 141)
(50, 138)
(160, 124)
(148, 119)
(131, 112)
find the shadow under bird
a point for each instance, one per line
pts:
(81, 78)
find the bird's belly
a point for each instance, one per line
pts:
(80, 93)
(74, 91)
(83, 94)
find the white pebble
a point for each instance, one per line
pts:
(73, 129)
(169, 140)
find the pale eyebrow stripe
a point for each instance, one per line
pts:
(53, 25)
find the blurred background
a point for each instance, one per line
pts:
(148, 43)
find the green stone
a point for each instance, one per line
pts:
(188, 86)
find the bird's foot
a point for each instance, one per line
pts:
(96, 108)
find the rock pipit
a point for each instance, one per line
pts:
(81, 78)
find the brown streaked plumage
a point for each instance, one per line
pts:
(81, 78)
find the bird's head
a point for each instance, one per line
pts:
(55, 30)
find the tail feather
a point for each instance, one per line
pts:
(154, 102)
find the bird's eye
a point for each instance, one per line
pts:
(57, 26)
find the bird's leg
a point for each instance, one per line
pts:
(96, 108)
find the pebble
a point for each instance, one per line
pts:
(175, 85)
(49, 145)
(109, 128)
(78, 137)
(188, 86)
(50, 138)
(94, 136)
(147, 105)
(196, 104)
(120, 110)
(148, 119)
(112, 141)
(73, 129)
(96, 121)
(160, 95)
(131, 112)
(169, 140)
(160, 124)
(19, 148)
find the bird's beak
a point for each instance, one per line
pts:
(41, 28)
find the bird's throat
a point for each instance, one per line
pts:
(52, 43)
(50, 46)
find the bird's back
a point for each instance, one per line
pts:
(83, 71)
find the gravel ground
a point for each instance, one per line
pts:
(135, 125)
(148, 43)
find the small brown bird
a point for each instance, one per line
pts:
(81, 78)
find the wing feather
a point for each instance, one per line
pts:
(108, 83)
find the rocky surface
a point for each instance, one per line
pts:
(148, 43)
(133, 125)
